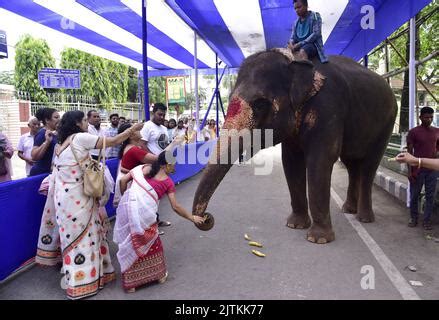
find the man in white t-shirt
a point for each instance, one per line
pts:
(155, 138)
(154, 133)
(94, 128)
(26, 143)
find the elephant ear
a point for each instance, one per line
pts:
(302, 82)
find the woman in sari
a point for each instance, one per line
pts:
(82, 226)
(140, 252)
(130, 156)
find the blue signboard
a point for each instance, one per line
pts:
(59, 78)
(3, 45)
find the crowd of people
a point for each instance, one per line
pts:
(36, 147)
(74, 226)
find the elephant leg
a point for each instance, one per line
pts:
(365, 212)
(295, 173)
(319, 181)
(351, 203)
(369, 166)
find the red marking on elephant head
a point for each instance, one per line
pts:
(234, 108)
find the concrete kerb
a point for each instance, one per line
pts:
(396, 188)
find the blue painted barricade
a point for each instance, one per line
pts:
(21, 207)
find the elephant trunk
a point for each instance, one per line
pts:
(212, 177)
(239, 117)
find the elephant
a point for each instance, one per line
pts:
(319, 113)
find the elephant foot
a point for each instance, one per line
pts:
(320, 235)
(349, 208)
(296, 221)
(366, 217)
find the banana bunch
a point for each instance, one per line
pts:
(255, 244)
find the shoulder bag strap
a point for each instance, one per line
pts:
(73, 149)
(103, 151)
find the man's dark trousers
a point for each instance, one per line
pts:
(429, 178)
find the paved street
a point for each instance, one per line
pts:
(218, 264)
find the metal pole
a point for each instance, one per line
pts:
(217, 94)
(412, 75)
(211, 101)
(145, 61)
(197, 101)
(366, 61)
(387, 61)
(412, 84)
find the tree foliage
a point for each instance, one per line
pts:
(427, 41)
(104, 80)
(7, 77)
(190, 98)
(132, 85)
(31, 56)
(157, 89)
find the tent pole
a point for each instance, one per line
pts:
(197, 100)
(217, 94)
(145, 61)
(412, 75)
(412, 82)
(211, 101)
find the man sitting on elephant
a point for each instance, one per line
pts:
(306, 38)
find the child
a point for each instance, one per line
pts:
(136, 231)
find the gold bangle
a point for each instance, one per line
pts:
(419, 163)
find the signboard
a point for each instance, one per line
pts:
(59, 78)
(176, 90)
(3, 45)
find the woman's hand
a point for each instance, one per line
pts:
(137, 126)
(49, 136)
(406, 157)
(197, 219)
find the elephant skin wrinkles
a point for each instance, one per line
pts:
(311, 118)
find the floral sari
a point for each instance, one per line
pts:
(83, 226)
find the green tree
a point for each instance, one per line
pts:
(132, 85)
(104, 80)
(157, 89)
(7, 77)
(427, 42)
(31, 56)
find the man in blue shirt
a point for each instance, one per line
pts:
(44, 141)
(306, 37)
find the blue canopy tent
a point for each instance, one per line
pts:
(178, 35)
(232, 29)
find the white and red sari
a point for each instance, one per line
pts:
(75, 226)
(136, 232)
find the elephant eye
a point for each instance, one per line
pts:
(261, 106)
(261, 109)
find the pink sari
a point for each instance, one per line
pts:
(136, 232)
